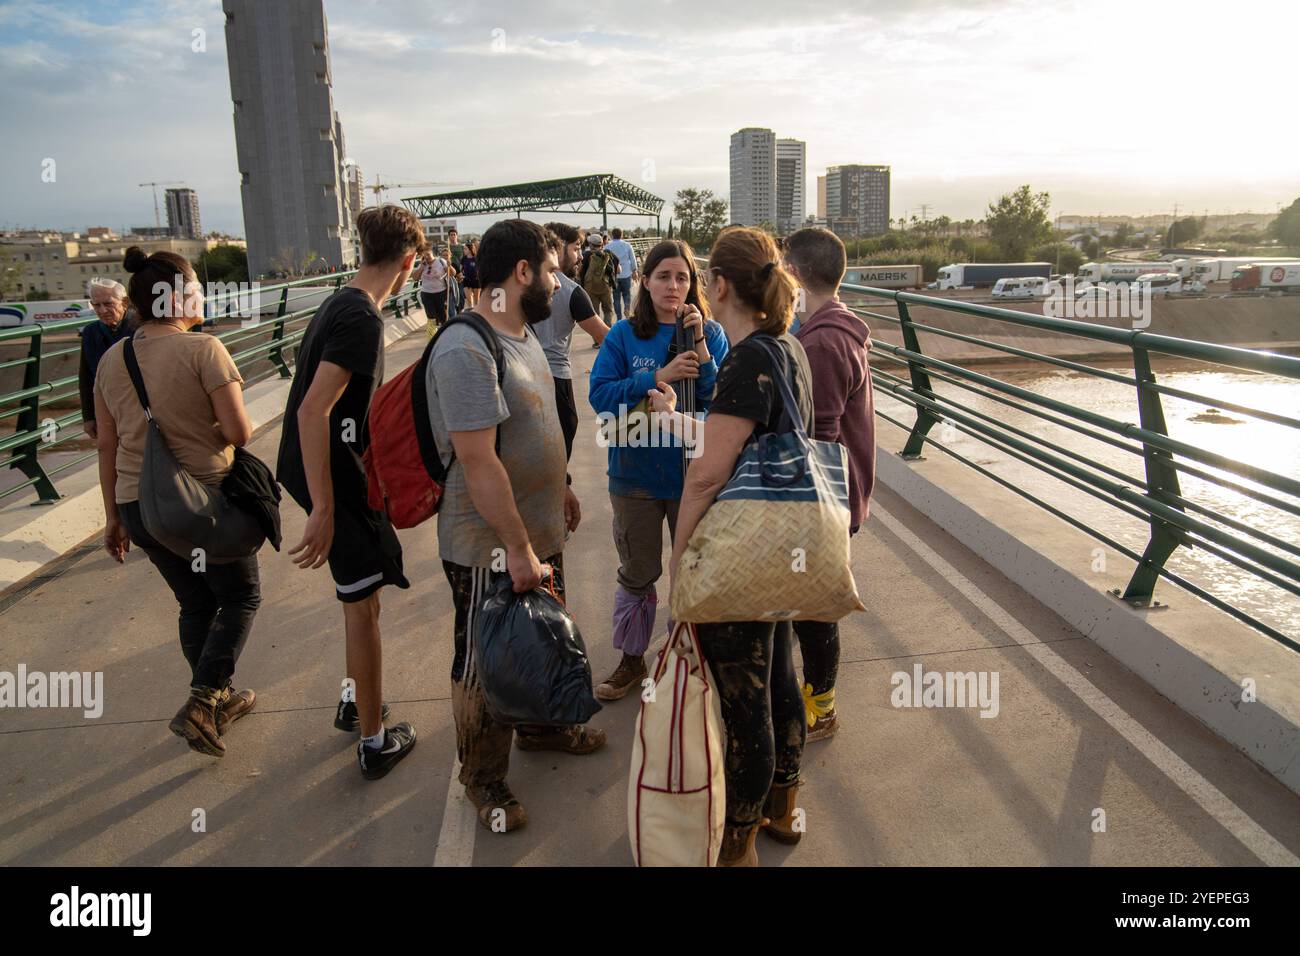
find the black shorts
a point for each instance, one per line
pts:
(365, 553)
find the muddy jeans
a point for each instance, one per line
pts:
(753, 665)
(482, 742)
(217, 604)
(819, 643)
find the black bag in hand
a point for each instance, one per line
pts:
(530, 657)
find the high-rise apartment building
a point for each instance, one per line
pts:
(183, 214)
(857, 199)
(791, 170)
(753, 176)
(288, 139)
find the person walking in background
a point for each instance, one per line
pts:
(752, 661)
(108, 299)
(196, 398)
(645, 481)
(837, 344)
(456, 291)
(500, 496)
(433, 274)
(627, 272)
(599, 272)
(569, 307)
(340, 364)
(469, 273)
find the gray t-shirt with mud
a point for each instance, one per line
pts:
(463, 397)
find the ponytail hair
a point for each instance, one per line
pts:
(751, 263)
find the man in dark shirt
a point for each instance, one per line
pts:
(340, 364)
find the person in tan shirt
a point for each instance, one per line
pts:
(196, 397)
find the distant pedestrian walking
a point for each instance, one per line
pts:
(599, 271)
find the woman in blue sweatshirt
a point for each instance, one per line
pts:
(646, 465)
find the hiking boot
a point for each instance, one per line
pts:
(628, 675)
(196, 721)
(779, 811)
(399, 740)
(347, 720)
(232, 705)
(575, 739)
(823, 727)
(498, 810)
(738, 846)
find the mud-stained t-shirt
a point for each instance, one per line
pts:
(464, 396)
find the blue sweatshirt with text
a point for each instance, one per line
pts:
(623, 373)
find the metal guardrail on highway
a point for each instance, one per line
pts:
(33, 437)
(1156, 498)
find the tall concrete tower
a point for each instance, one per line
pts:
(287, 136)
(791, 171)
(753, 176)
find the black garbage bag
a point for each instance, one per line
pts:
(531, 661)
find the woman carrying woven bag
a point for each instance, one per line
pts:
(196, 398)
(752, 660)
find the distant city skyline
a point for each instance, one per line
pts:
(964, 102)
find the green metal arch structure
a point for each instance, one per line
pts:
(601, 193)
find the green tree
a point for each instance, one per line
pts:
(223, 263)
(1184, 230)
(1018, 221)
(1286, 227)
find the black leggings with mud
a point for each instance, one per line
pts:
(753, 665)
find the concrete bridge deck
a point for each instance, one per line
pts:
(1076, 732)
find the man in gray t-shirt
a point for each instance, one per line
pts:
(506, 504)
(464, 397)
(571, 306)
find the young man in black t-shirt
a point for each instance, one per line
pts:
(340, 364)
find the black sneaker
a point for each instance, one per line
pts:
(398, 742)
(347, 720)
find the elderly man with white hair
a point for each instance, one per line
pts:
(108, 299)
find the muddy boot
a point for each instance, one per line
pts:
(626, 677)
(498, 810)
(779, 811)
(575, 739)
(196, 721)
(820, 711)
(738, 846)
(233, 705)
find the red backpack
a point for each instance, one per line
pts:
(406, 478)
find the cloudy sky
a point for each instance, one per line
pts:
(1116, 106)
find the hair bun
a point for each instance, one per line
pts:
(134, 259)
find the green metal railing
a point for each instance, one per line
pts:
(265, 340)
(1175, 520)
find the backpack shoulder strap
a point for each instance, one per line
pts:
(133, 369)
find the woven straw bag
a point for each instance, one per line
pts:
(774, 545)
(676, 790)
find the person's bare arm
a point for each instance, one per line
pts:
(594, 327)
(494, 498)
(707, 475)
(116, 540)
(314, 439)
(228, 406)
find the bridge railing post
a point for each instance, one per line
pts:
(276, 355)
(29, 423)
(925, 419)
(1162, 484)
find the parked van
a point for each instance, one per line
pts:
(1159, 283)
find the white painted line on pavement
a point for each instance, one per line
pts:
(1212, 800)
(459, 824)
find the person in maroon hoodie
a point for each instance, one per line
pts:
(837, 343)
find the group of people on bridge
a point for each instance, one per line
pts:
(505, 434)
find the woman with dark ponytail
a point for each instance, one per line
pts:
(752, 662)
(196, 397)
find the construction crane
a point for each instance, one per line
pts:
(157, 221)
(379, 188)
